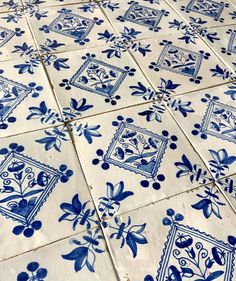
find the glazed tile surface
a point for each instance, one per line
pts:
(117, 140)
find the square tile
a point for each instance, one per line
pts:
(228, 187)
(138, 153)
(180, 66)
(15, 41)
(73, 27)
(208, 119)
(92, 83)
(211, 12)
(225, 48)
(26, 98)
(139, 20)
(38, 179)
(92, 264)
(175, 238)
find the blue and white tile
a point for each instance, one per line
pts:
(178, 238)
(43, 3)
(15, 39)
(208, 118)
(176, 64)
(69, 28)
(10, 6)
(225, 45)
(210, 13)
(140, 19)
(89, 261)
(43, 196)
(136, 156)
(228, 187)
(87, 82)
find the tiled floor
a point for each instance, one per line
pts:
(117, 140)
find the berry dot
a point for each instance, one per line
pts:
(99, 152)
(165, 133)
(161, 177)
(120, 118)
(174, 138)
(173, 146)
(156, 185)
(105, 166)
(95, 161)
(144, 183)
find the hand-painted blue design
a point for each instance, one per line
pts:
(84, 255)
(137, 150)
(154, 112)
(76, 108)
(144, 16)
(233, 14)
(110, 204)
(72, 25)
(98, 77)
(224, 73)
(54, 138)
(207, 8)
(44, 114)
(5, 35)
(232, 43)
(220, 163)
(147, 93)
(88, 131)
(35, 273)
(194, 171)
(11, 95)
(229, 186)
(180, 60)
(232, 91)
(209, 203)
(10, 4)
(166, 88)
(78, 213)
(109, 5)
(25, 186)
(190, 254)
(182, 106)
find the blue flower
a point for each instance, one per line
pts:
(35, 273)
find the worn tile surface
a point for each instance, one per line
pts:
(117, 140)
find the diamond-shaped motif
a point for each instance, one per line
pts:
(72, 25)
(232, 43)
(11, 94)
(207, 8)
(180, 60)
(98, 77)
(220, 121)
(142, 15)
(136, 149)
(25, 185)
(192, 255)
(5, 35)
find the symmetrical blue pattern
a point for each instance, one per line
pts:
(219, 121)
(5, 35)
(180, 60)
(72, 25)
(142, 15)
(207, 8)
(136, 149)
(98, 77)
(232, 43)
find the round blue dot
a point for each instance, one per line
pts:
(99, 152)
(165, 133)
(144, 183)
(95, 161)
(105, 166)
(195, 132)
(161, 177)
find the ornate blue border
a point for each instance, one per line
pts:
(144, 131)
(11, 34)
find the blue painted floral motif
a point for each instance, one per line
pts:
(190, 254)
(76, 108)
(220, 163)
(224, 73)
(219, 120)
(194, 171)
(88, 131)
(137, 150)
(232, 91)
(144, 16)
(25, 185)
(78, 213)
(229, 186)
(180, 60)
(110, 204)
(207, 8)
(11, 95)
(232, 43)
(154, 112)
(209, 203)
(36, 273)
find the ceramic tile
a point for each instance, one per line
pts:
(27, 100)
(70, 28)
(228, 187)
(37, 179)
(138, 153)
(225, 44)
(90, 83)
(208, 119)
(210, 12)
(176, 239)
(140, 19)
(180, 66)
(42, 3)
(14, 36)
(94, 265)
